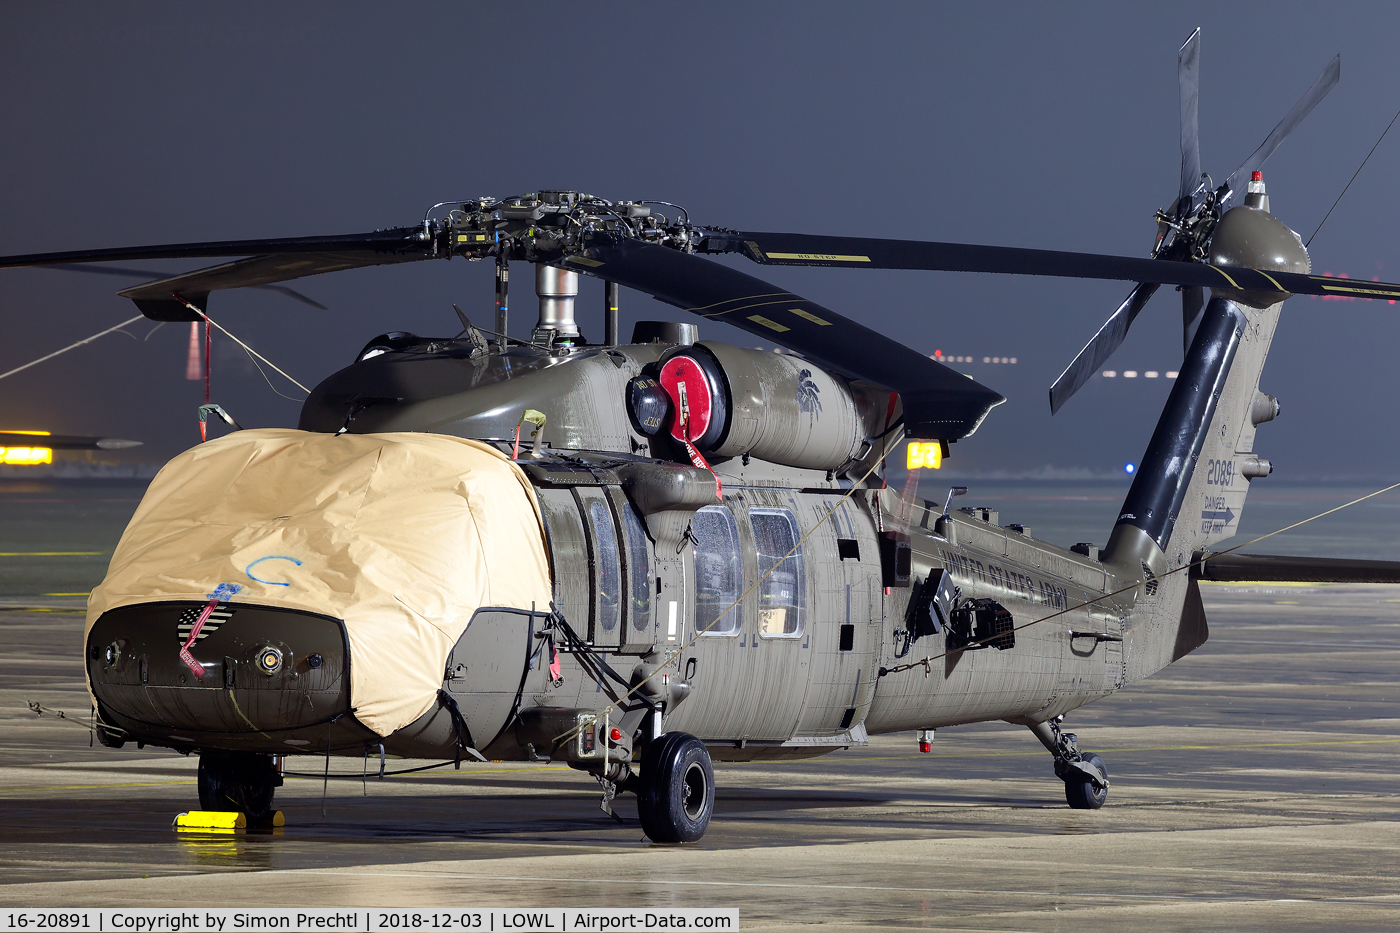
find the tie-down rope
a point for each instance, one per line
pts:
(73, 346)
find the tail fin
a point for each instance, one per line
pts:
(1190, 488)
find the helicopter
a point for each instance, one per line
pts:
(640, 557)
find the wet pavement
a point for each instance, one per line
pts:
(1254, 787)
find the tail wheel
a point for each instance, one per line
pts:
(243, 783)
(676, 796)
(1082, 793)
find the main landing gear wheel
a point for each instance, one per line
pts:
(241, 782)
(1084, 773)
(1080, 790)
(676, 792)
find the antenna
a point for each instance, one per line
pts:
(953, 492)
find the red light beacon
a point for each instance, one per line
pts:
(1257, 197)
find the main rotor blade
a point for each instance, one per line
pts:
(805, 249)
(156, 301)
(1188, 79)
(278, 260)
(1100, 347)
(1330, 75)
(938, 402)
(802, 249)
(152, 274)
(273, 260)
(393, 240)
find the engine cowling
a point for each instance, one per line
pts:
(732, 401)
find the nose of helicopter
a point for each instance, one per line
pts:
(257, 679)
(329, 577)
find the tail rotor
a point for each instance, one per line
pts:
(1184, 231)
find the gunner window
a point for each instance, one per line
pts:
(719, 571)
(782, 594)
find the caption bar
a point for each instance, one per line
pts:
(382, 920)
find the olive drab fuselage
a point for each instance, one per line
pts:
(728, 568)
(760, 618)
(728, 561)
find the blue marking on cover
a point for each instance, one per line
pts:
(249, 569)
(225, 591)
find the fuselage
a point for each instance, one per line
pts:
(768, 611)
(764, 689)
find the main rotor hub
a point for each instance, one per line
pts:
(546, 226)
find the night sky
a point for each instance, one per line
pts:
(1036, 125)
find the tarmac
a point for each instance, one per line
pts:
(1254, 787)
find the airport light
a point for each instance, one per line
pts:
(26, 456)
(924, 455)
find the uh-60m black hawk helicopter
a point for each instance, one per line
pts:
(690, 554)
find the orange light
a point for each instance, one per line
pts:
(25, 456)
(924, 455)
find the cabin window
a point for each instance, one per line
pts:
(719, 571)
(607, 570)
(638, 570)
(782, 596)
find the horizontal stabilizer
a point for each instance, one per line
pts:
(1277, 568)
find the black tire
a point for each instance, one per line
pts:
(1080, 792)
(676, 796)
(243, 783)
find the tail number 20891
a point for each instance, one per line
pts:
(1220, 473)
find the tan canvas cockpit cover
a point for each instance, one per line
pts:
(403, 536)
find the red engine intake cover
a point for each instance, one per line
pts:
(685, 382)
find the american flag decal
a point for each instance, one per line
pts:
(187, 618)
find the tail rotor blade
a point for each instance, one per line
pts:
(1330, 75)
(1188, 77)
(1097, 351)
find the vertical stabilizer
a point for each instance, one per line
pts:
(1191, 485)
